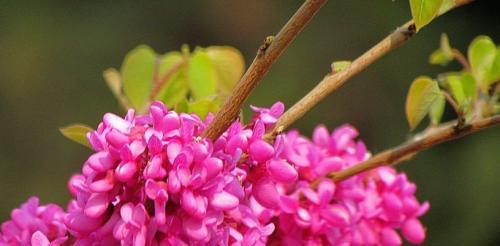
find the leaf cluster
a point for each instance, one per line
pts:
(472, 92)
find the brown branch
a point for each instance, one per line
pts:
(333, 81)
(165, 78)
(429, 138)
(266, 55)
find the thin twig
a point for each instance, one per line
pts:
(333, 81)
(461, 59)
(428, 139)
(266, 55)
(456, 108)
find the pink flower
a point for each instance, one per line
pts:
(271, 115)
(154, 180)
(364, 210)
(32, 224)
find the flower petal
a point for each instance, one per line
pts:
(96, 205)
(195, 229)
(224, 201)
(265, 193)
(413, 231)
(261, 151)
(282, 171)
(39, 239)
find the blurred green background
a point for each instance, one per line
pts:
(52, 54)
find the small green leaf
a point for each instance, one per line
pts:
(182, 106)
(446, 6)
(494, 73)
(338, 66)
(229, 65)
(203, 106)
(202, 75)
(423, 11)
(482, 55)
(77, 133)
(422, 94)
(439, 58)
(114, 82)
(437, 110)
(446, 47)
(172, 67)
(457, 90)
(137, 73)
(469, 85)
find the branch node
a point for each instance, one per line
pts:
(263, 47)
(405, 32)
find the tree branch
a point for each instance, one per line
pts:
(266, 55)
(333, 81)
(427, 139)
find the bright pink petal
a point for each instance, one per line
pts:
(39, 239)
(224, 201)
(195, 229)
(101, 161)
(125, 171)
(261, 151)
(282, 171)
(265, 193)
(96, 205)
(213, 166)
(390, 237)
(336, 215)
(413, 231)
(116, 122)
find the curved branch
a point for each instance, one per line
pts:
(266, 55)
(333, 81)
(427, 139)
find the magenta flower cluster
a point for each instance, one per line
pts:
(154, 180)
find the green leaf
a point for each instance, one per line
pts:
(439, 58)
(202, 75)
(457, 90)
(182, 106)
(137, 73)
(114, 82)
(446, 6)
(203, 106)
(77, 133)
(446, 47)
(422, 94)
(494, 73)
(437, 110)
(423, 11)
(482, 55)
(469, 85)
(229, 65)
(172, 67)
(338, 66)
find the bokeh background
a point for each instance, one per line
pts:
(52, 54)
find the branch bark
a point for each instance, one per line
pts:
(267, 53)
(427, 139)
(333, 81)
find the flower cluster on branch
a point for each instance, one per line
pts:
(153, 180)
